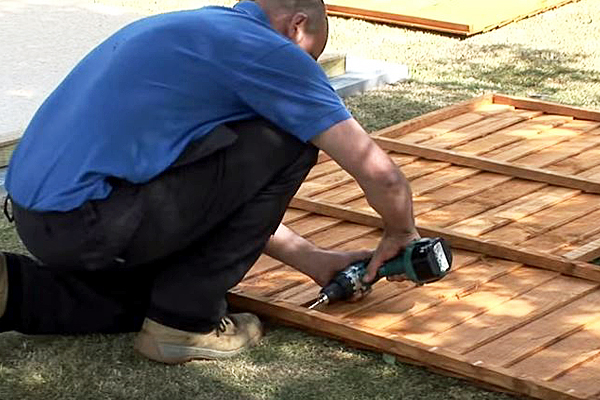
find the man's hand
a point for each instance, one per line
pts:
(390, 245)
(319, 264)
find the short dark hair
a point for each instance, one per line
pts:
(315, 9)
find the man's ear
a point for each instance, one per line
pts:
(297, 27)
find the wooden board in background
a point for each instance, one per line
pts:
(8, 143)
(462, 17)
(333, 64)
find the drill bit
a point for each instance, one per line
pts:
(322, 299)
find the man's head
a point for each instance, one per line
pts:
(304, 22)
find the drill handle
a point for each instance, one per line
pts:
(396, 265)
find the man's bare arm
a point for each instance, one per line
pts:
(385, 187)
(320, 264)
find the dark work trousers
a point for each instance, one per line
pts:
(168, 249)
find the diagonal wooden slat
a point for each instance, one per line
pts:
(534, 174)
(514, 253)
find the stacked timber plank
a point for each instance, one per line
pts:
(514, 185)
(333, 64)
(462, 17)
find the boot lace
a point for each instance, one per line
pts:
(223, 324)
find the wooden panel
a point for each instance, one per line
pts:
(391, 312)
(496, 196)
(511, 315)
(495, 318)
(568, 237)
(546, 220)
(464, 17)
(513, 211)
(316, 321)
(585, 344)
(536, 336)
(457, 191)
(436, 116)
(515, 253)
(482, 301)
(558, 136)
(476, 114)
(485, 127)
(520, 132)
(426, 327)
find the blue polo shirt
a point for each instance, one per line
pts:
(132, 105)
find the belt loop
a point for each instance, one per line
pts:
(8, 209)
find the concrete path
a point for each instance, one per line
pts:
(40, 42)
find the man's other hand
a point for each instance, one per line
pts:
(324, 264)
(319, 264)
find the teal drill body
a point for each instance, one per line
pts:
(423, 261)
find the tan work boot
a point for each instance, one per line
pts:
(235, 333)
(3, 284)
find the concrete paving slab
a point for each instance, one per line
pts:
(40, 42)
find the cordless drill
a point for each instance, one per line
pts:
(423, 261)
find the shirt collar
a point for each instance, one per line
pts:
(253, 9)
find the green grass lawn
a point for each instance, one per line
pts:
(554, 56)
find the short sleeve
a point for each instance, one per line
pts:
(291, 90)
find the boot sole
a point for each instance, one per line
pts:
(178, 354)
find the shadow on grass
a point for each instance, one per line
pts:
(326, 369)
(100, 366)
(511, 69)
(288, 364)
(517, 68)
